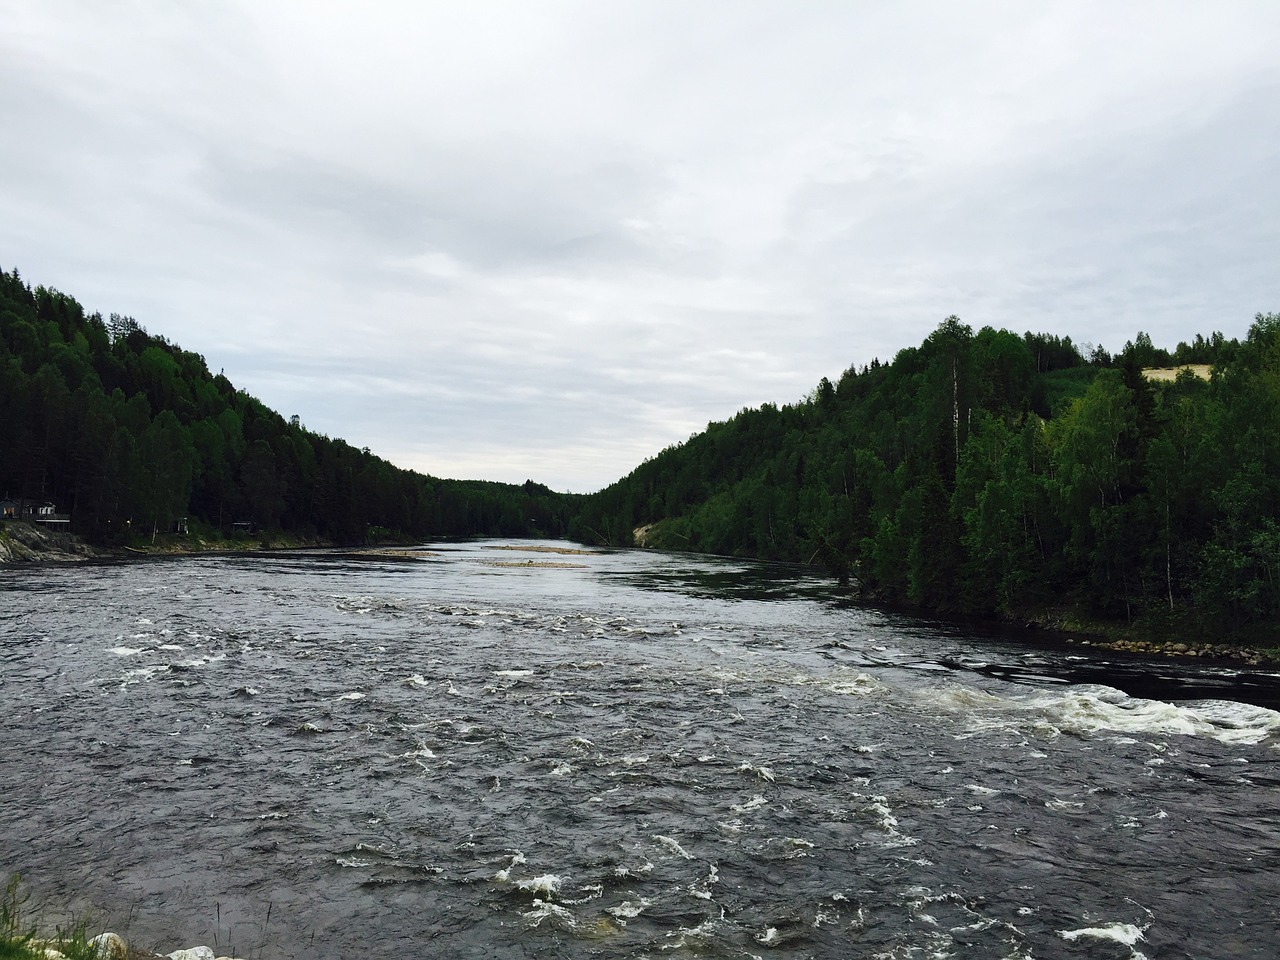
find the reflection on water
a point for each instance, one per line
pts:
(305, 755)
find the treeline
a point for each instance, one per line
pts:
(129, 434)
(994, 473)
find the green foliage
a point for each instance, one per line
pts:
(15, 935)
(1053, 391)
(987, 472)
(130, 434)
(18, 935)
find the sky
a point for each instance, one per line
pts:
(546, 240)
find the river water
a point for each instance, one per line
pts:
(476, 753)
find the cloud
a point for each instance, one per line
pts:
(544, 241)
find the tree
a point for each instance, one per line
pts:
(263, 490)
(166, 460)
(1092, 444)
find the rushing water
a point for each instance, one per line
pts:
(468, 755)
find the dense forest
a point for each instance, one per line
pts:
(129, 435)
(984, 473)
(992, 473)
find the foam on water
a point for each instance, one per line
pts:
(545, 910)
(755, 803)
(1059, 804)
(140, 675)
(199, 662)
(628, 910)
(673, 845)
(1094, 708)
(1091, 709)
(1126, 934)
(546, 885)
(516, 859)
(770, 937)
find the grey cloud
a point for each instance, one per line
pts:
(501, 207)
(560, 238)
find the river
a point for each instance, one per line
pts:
(488, 752)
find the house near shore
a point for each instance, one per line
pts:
(35, 511)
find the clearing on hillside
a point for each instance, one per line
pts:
(1170, 374)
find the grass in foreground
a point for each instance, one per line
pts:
(19, 940)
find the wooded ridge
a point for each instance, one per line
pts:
(124, 436)
(992, 473)
(985, 472)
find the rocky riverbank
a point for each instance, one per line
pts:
(1249, 656)
(22, 542)
(1079, 629)
(110, 946)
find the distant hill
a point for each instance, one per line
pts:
(997, 473)
(128, 434)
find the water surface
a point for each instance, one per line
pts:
(639, 755)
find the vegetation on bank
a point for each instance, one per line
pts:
(995, 474)
(19, 939)
(133, 438)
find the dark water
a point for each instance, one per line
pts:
(646, 755)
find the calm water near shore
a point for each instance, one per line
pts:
(624, 754)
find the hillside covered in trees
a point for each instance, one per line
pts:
(984, 473)
(128, 434)
(992, 473)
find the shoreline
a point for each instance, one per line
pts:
(1071, 627)
(22, 542)
(1080, 630)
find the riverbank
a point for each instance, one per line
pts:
(1145, 639)
(179, 546)
(1250, 656)
(105, 946)
(1071, 624)
(22, 542)
(20, 938)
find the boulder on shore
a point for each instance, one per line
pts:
(111, 946)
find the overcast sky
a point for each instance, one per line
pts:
(548, 239)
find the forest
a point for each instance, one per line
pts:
(983, 473)
(997, 474)
(131, 436)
